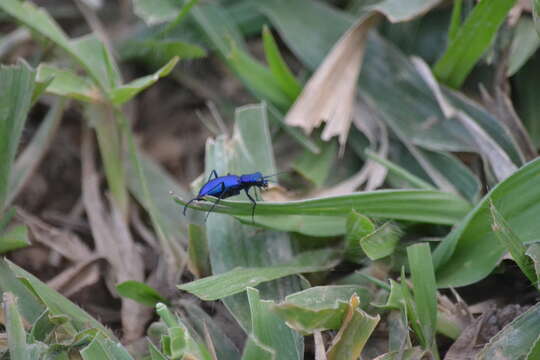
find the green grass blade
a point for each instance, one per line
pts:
(278, 67)
(471, 251)
(455, 20)
(18, 83)
(425, 291)
(411, 205)
(126, 92)
(140, 292)
(237, 280)
(512, 243)
(14, 238)
(399, 171)
(16, 336)
(471, 41)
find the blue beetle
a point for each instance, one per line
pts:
(226, 186)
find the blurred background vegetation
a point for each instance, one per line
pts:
(402, 224)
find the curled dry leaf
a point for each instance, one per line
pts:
(330, 93)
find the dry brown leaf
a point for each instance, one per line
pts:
(320, 351)
(113, 241)
(64, 242)
(330, 93)
(465, 347)
(76, 277)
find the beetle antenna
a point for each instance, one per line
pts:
(278, 173)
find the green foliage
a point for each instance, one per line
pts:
(325, 256)
(471, 41)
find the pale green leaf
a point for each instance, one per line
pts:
(237, 280)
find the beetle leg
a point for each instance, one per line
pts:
(254, 205)
(217, 201)
(214, 172)
(189, 202)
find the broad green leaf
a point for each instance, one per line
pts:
(66, 83)
(271, 331)
(412, 205)
(534, 352)
(278, 67)
(471, 251)
(471, 41)
(526, 41)
(105, 349)
(198, 263)
(231, 244)
(388, 82)
(156, 11)
(18, 83)
(316, 167)
(353, 334)
(87, 51)
(425, 291)
(397, 11)
(16, 336)
(516, 339)
(318, 226)
(316, 309)
(140, 292)
(41, 328)
(507, 237)
(357, 226)
(30, 158)
(254, 349)
(30, 308)
(126, 92)
(56, 303)
(237, 280)
(381, 242)
(14, 238)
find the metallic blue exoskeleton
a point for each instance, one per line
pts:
(223, 187)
